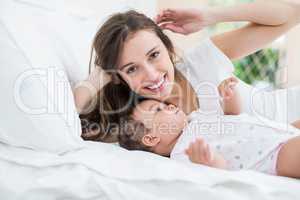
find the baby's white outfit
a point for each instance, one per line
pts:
(245, 142)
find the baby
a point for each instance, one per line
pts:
(235, 141)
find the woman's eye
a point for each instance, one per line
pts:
(131, 70)
(154, 54)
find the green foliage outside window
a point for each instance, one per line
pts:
(259, 66)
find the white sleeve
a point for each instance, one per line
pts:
(206, 67)
(206, 63)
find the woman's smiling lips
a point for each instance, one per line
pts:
(158, 87)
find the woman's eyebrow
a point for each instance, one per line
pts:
(121, 68)
(151, 50)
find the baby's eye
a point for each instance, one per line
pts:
(154, 55)
(158, 109)
(131, 69)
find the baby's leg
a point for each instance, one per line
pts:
(296, 124)
(288, 162)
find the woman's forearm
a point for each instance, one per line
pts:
(270, 19)
(271, 13)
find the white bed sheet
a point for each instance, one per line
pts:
(103, 171)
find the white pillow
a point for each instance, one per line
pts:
(49, 37)
(33, 115)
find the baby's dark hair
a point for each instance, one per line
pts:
(132, 131)
(131, 134)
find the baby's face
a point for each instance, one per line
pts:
(164, 121)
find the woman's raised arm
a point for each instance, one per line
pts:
(268, 20)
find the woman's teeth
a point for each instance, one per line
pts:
(153, 87)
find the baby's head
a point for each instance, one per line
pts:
(152, 126)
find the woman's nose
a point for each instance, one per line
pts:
(151, 72)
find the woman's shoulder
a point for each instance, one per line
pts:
(205, 62)
(207, 52)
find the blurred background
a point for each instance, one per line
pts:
(275, 66)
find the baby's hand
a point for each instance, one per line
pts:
(200, 153)
(226, 88)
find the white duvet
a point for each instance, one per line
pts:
(42, 155)
(102, 171)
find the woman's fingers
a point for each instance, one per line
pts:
(166, 15)
(172, 27)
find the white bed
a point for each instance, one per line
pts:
(41, 153)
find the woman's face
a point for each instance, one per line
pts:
(146, 66)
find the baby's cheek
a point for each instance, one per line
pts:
(175, 126)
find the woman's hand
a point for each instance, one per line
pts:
(184, 21)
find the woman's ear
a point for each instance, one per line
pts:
(150, 140)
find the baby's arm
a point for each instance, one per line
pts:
(200, 153)
(86, 90)
(231, 102)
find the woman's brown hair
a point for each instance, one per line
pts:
(117, 96)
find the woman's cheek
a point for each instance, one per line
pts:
(130, 82)
(136, 85)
